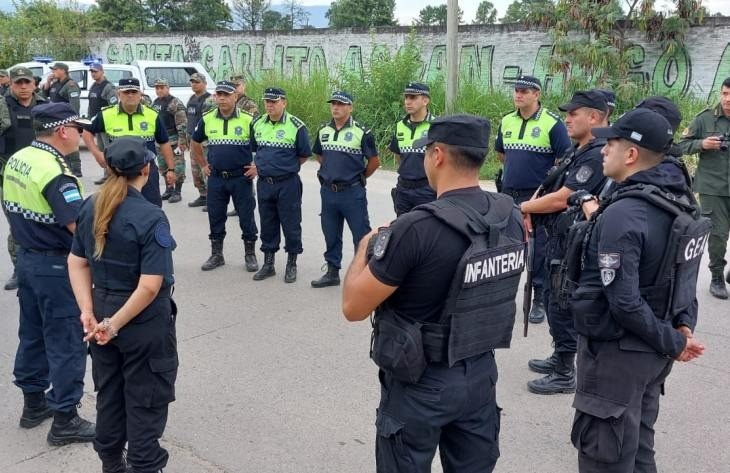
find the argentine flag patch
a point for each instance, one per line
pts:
(71, 194)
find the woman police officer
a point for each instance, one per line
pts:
(121, 273)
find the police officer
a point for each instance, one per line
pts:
(4, 82)
(244, 102)
(440, 390)
(412, 188)
(43, 197)
(16, 132)
(348, 155)
(198, 104)
(529, 141)
(709, 136)
(59, 87)
(230, 171)
(610, 97)
(127, 310)
(174, 118)
(101, 94)
(281, 143)
(579, 169)
(130, 117)
(635, 305)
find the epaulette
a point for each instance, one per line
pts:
(362, 127)
(109, 106)
(554, 115)
(511, 112)
(296, 121)
(708, 109)
(214, 109)
(256, 119)
(245, 112)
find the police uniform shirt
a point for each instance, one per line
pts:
(279, 145)
(411, 159)
(526, 163)
(586, 171)
(139, 232)
(343, 158)
(36, 232)
(98, 126)
(231, 151)
(422, 256)
(624, 253)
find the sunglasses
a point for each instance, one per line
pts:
(78, 128)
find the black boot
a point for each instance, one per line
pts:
(537, 312)
(267, 270)
(290, 275)
(176, 197)
(330, 278)
(68, 427)
(232, 213)
(717, 287)
(545, 366)
(561, 380)
(35, 410)
(201, 201)
(216, 256)
(168, 192)
(12, 283)
(115, 464)
(250, 256)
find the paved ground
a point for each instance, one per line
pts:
(272, 378)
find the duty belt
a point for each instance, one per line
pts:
(275, 179)
(228, 174)
(164, 293)
(412, 183)
(339, 186)
(63, 253)
(517, 193)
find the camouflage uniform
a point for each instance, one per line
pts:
(67, 91)
(173, 111)
(199, 179)
(247, 104)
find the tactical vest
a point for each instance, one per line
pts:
(479, 311)
(118, 123)
(27, 174)
(411, 159)
(674, 287)
(54, 95)
(194, 110)
(21, 133)
(162, 106)
(96, 101)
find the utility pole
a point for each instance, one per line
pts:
(452, 54)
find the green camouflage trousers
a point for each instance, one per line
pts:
(179, 162)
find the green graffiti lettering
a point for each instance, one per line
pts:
(353, 60)
(127, 55)
(379, 53)
(722, 73)
(140, 52)
(637, 55)
(112, 53)
(469, 64)
(437, 65)
(486, 57)
(295, 56)
(277, 66)
(317, 62)
(672, 72)
(177, 53)
(541, 70)
(162, 52)
(243, 58)
(225, 63)
(207, 59)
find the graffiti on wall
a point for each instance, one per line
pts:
(669, 72)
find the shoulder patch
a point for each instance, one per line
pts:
(70, 192)
(163, 237)
(583, 174)
(296, 121)
(609, 260)
(382, 238)
(113, 100)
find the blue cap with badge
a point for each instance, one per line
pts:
(225, 86)
(417, 88)
(128, 83)
(274, 93)
(528, 82)
(127, 155)
(55, 114)
(341, 97)
(641, 126)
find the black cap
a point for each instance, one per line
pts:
(664, 107)
(417, 88)
(225, 86)
(458, 130)
(588, 98)
(642, 126)
(274, 93)
(60, 65)
(340, 96)
(528, 82)
(610, 97)
(127, 155)
(54, 114)
(128, 83)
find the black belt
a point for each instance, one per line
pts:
(412, 183)
(339, 186)
(165, 292)
(228, 174)
(275, 179)
(516, 193)
(48, 252)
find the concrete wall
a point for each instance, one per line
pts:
(491, 55)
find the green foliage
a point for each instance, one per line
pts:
(524, 10)
(486, 14)
(134, 16)
(250, 13)
(119, 16)
(361, 13)
(435, 16)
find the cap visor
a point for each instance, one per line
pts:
(82, 121)
(422, 142)
(569, 107)
(339, 101)
(606, 132)
(16, 79)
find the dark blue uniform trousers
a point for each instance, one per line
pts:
(404, 199)
(617, 404)
(134, 376)
(538, 263)
(151, 190)
(562, 328)
(280, 209)
(454, 409)
(220, 192)
(51, 351)
(351, 205)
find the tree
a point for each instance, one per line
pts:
(207, 15)
(361, 13)
(273, 20)
(250, 13)
(486, 14)
(294, 14)
(119, 16)
(435, 16)
(521, 10)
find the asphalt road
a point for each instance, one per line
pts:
(273, 379)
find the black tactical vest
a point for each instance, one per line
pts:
(21, 132)
(162, 106)
(479, 311)
(674, 287)
(194, 111)
(96, 101)
(54, 94)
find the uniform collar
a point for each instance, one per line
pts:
(46, 147)
(282, 120)
(121, 110)
(347, 125)
(34, 100)
(535, 116)
(132, 192)
(233, 115)
(407, 119)
(719, 113)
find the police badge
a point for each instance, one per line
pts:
(348, 136)
(583, 174)
(535, 132)
(143, 126)
(280, 134)
(609, 263)
(238, 130)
